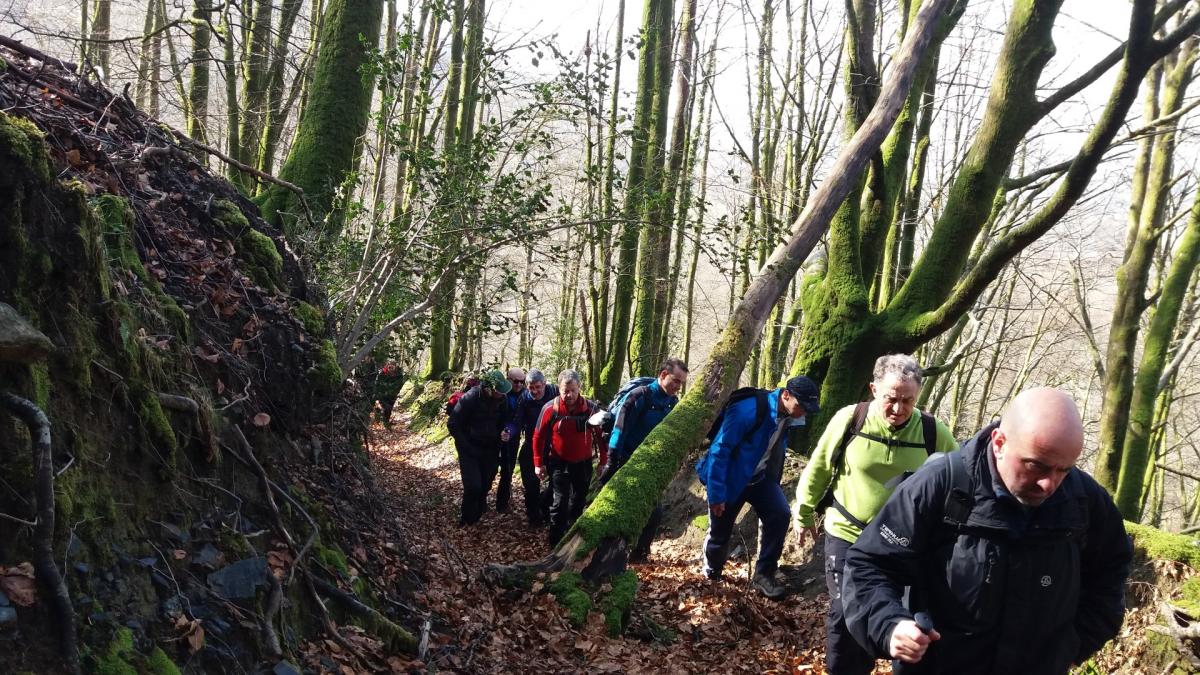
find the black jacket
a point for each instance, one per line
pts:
(476, 421)
(1015, 591)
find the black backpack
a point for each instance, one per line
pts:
(854, 428)
(761, 411)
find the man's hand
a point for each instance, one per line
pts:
(504, 436)
(908, 642)
(539, 472)
(718, 510)
(805, 534)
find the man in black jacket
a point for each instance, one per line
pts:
(477, 425)
(1018, 558)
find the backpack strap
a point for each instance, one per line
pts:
(761, 410)
(853, 428)
(959, 498)
(929, 431)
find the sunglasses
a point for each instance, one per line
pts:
(516, 381)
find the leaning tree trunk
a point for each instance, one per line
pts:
(325, 150)
(596, 545)
(1136, 455)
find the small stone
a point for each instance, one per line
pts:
(171, 608)
(208, 556)
(82, 568)
(147, 562)
(285, 668)
(8, 618)
(241, 579)
(19, 341)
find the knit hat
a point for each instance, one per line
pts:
(494, 379)
(805, 391)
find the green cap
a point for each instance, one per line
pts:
(494, 379)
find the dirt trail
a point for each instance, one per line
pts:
(701, 627)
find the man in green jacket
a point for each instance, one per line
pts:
(861, 467)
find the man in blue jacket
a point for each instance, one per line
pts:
(735, 471)
(642, 410)
(529, 408)
(508, 449)
(1018, 558)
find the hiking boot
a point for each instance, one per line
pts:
(769, 587)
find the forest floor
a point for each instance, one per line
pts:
(681, 622)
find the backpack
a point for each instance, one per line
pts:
(618, 401)
(761, 410)
(854, 428)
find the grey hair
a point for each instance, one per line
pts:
(900, 365)
(569, 375)
(536, 375)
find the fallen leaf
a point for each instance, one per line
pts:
(73, 157)
(195, 637)
(262, 419)
(179, 554)
(22, 590)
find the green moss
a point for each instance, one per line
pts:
(311, 318)
(617, 603)
(263, 262)
(155, 422)
(332, 557)
(700, 522)
(622, 508)
(1161, 656)
(1189, 597)
(23, 141)
(40, 375)
(160, 664)
(229, 216)
(1158, 545)
(567, 588)
(426, 408)
(117, 222)
(326, 374)
(115, 660)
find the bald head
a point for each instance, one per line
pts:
(1037, 444)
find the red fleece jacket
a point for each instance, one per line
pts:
(558, 432)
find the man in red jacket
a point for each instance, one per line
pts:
(562, 447)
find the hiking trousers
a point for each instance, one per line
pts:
(536, 508)
(843, 654)
(771, 505)
(478, 469)
(569, 480)
(508, 460)
(641, 549)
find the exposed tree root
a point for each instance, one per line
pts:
(43, 532)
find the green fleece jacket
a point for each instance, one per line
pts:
(867, 466)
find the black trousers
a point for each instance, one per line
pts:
(478, 469)
(508, 460)
(642, 548)
(569, 480)
(843, 655)
(537, 509)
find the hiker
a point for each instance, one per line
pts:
(536, 396)
(385, 387)
(1015, 556)
(562, 444)
(864, 453)
(636, 412)
(508, 448)
(735, 470)
(469, 380)
(477, 425)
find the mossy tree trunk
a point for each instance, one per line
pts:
(596, 544)
(843, 336)
(325, 151)
(656, 30)
(1167, 87)
(198, 87)
(1136, 456)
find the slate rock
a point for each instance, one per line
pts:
(241, 579)
(19, 341)
(285, 668)
(208, 556)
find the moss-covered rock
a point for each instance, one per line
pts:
(262, 260)
(326, 375)
(311, 318)
(24, 142)
(121, 658)
(229, 216)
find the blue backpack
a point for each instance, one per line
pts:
(614, 408)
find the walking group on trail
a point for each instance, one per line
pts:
(996, 556)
